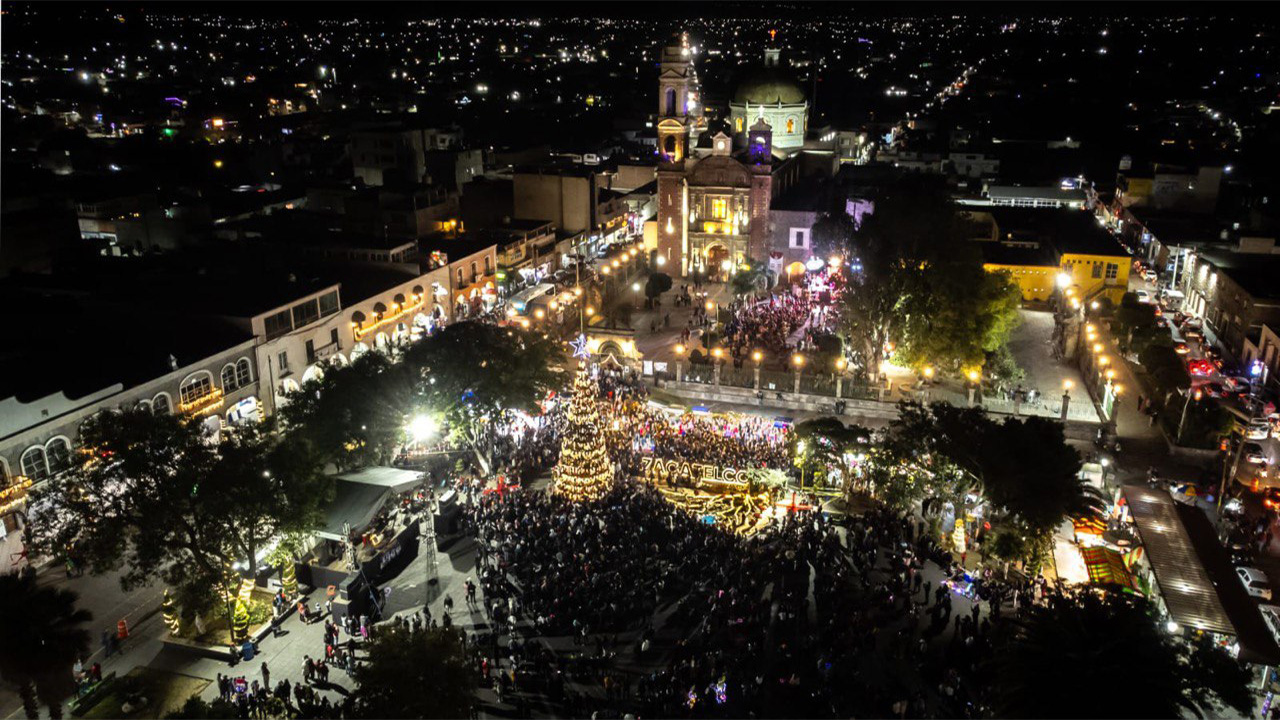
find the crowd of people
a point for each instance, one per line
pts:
(803, 619)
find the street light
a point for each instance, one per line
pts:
(974, 376)
(797, 360)
(757, 356)
(421, 427)
(1067, 385)
(928, 372)
(841, 364)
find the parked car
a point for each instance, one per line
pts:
(1271, 617)
(1143, 296)
(1258, 429)
(1192, 333)
(1149, 275)
(1181, 349)
(1252, 453)
(1255, 582)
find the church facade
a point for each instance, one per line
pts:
(713, 202)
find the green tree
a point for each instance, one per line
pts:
(961, 314)
(820, 444)
(473, 373)
(353, 414)
(657, 284)
(832, 234)
(752, 276)
(1031, 476)
(415, 674)
(1045, 662)
(153, 495)
(914, 227)
(40, 639)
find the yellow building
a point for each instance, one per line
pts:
(1047, 250)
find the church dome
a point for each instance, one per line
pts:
(768, 86)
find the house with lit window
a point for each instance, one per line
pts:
(1053, 249)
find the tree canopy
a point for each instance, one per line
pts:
(353, 414)
(1047, 663)
(415, 673)
(473, 373)
(916, 280)
(1022, 467)
(155, 495)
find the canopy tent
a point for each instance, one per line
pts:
(359, 496)
(1108, 567)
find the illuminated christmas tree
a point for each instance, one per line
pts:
(584, 472)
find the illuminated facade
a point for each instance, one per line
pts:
(713, 208)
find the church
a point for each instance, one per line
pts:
(715, 186)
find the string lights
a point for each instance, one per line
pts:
(584, 472)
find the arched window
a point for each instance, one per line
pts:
(244, 372)
(671, 101)
(229, 378)
(195, 387)
(4, 472)
(58, 455)
(670, 146)
(145, 405)
(791, 125)
(34, 465)
(737, 124)
(160, 404)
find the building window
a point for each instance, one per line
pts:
(333, 338)
(328, 304)
(57, 455)
(311, 351)
(282, 362)
(737, 124)
(720, 208)
(195, 388)
(304, 313)
(799, 238)
(1113, 271)
(244, 373)
(460, 282)
(671, 101)
(34, 465)
(1096, 271)
(791, 125)
(229, 378)
(160, 404)
(278, 324)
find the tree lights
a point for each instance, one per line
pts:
(584, 471)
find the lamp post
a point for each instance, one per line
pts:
(1066, 399)
(679, 355)
(1185, 405)
(974, 377)
(797, 360)
(717, 355)
(1109, 393)
(841, 365)
(758, 357)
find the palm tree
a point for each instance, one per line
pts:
(1064, 660)
(41, 637)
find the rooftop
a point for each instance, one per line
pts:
(1255, 273)
(1069, 231)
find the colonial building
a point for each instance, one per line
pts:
(769, 93)
(713, 204)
